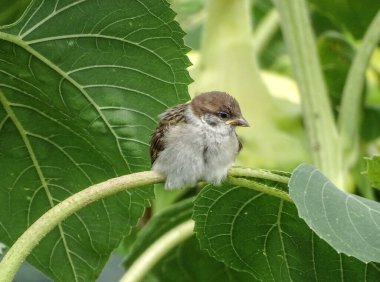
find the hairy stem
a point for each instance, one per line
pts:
(258, 173)
(39, 229)
(251, 184)
(318, 116)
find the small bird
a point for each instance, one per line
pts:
(197, 140)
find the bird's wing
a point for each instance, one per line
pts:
(240, 143)
(172, 117)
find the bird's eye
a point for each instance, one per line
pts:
(223, 115)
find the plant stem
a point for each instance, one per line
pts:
(349, 116)
(265, 31)
(259, 187)
(157, 250)
(318, 116)
(39, 229)
(258, 173)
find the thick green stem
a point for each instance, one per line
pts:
(39, 229)
(180, 233)
(318, 116)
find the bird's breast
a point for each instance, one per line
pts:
(221, 148)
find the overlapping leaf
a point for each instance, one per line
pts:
(186, 260)
(190, 263)
(157, 226)
(263, 235)
(349, 223)
(81, 85)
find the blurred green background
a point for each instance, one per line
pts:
(237, 46)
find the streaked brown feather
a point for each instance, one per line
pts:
(172, 117)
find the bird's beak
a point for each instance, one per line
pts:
(238, 122)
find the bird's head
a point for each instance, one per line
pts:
(218, 109)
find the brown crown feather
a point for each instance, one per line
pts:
(214, 102)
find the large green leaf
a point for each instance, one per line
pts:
(349, 223)
(262, 235)
(186, 261)
(81, 85)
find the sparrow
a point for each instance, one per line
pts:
(197, 141)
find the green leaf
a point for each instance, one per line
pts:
(11, 10)
(373, 170)
(262, 235)
(349, 223)
(336, 54)
(186, 260)
(350, 15)
(81, 84)
(157, 226)
(370, 126)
